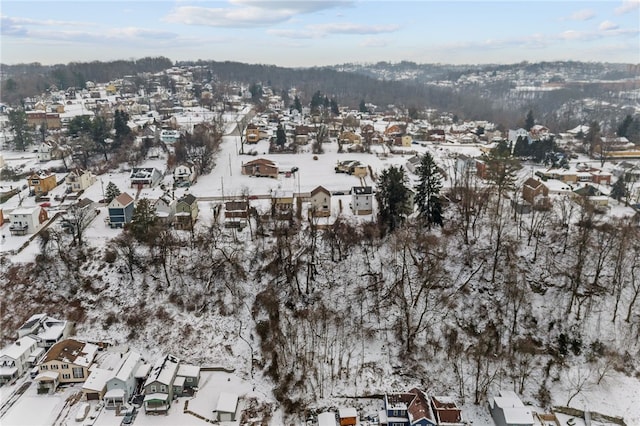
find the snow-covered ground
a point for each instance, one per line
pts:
(207, 336)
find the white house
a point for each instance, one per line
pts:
(45, 151)
(121, 387)
(328, 418)
(165, 208)
(169, 136)
(145, 177)
(362, 200)
(508, 410)
(27, 220)
(513, 135)
(184, 175)
(46, 330)
(14, 359)
(227, 408)
(320, 200)
(79, 180)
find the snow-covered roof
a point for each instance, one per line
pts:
(143, 371)
(19, 348)
(514, 410)
(156, 397)
(163, 371)
(327, 419)
(25, 210)
(227, 402)
(72, 351)
(114, 393)
(129, 367)
(188, 370)
(344, 412)
(97, 380)
(47, 375)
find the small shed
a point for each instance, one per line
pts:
(327, 419)
(348, 416)
(227, 407)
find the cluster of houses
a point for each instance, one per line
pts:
(114, 375)
(412, 408)
(37, 335)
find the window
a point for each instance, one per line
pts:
(54, 366)
(153, 389)
(78, 373)
(44, 367)
(163, 388)
(65, 366)
(189, 379)
(66, 376)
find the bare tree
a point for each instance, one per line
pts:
(577, 380)
(76, 220)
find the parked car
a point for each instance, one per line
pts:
(128, 417)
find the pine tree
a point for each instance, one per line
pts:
(281, 136)
(363, 107)
(529, 122)
(428, 191)
(393, 196)
(112, 192)
(18, 124)
(297, 105)
(619, 189)
(143, 220)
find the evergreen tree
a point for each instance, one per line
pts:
(281, 136)
(21, 134)
(619, 189)
(363, 107)
(120, 120)
(111, 192)
(256, 92)
(143, 220)
(334, 107)
(428, 191)
(317, 101)
(297, 105)
(393, 196)
(623, 128)
(592, 138)
(529, 122)
(79, 124)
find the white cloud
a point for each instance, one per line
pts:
(323, 30)
(580, 15)
(607, 26)
(351, 28)
(12, 20)
(248, 13)
(627, 6)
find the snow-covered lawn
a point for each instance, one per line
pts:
(32, 409)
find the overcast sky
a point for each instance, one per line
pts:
(310, 32)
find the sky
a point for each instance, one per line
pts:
(302, 33)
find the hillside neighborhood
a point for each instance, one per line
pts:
(160, 216)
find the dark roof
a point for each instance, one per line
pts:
(320, 189)
(419, 407)
(533, 183)
(236, 205)
(188, 198)
(124, 199)
(362, 190)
